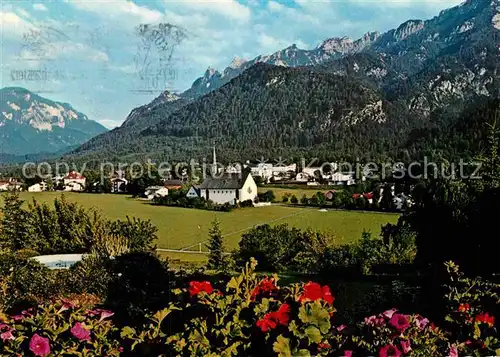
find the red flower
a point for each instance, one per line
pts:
(389, 351)
(314, 291)
(265, 286)
(39, 345)
(323, 346)
(266, 324)
(273, 319)
(485, 319)
(399, 322)
(347, 353)
(196, 287)
(80, 332)
(464, 308)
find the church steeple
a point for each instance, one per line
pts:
(215, 159)
(214, 163)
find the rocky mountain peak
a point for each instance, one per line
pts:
(408, 28)
(336, 44)
(237, 62)
(210, 72)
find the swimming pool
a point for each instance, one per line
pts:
(59, 261)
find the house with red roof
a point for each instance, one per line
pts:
(74, 181)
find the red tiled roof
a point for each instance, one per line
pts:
(73, 175)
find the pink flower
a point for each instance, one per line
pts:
(347, 353)
(389, 313)
(399, 322)
(80, 332)
(7, 335)
(453, 351)
(39, 345)
(105, 314)
(374, 321)
(422, 322)
(389, 351)
(341, 328)
(17, 317)
(405, 345)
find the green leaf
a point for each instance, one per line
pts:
(235, 282)
(315, 314)
(313, 334)
(160, 315)
(303, 353)
(282, 347)
(127, 332)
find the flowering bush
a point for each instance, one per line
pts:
(57, 328)
(392, 333)
(255, 317)
(470, 318)
(252, 316)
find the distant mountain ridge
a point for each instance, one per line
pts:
(415, 73)
(31, 124)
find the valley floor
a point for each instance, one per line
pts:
(181, 228)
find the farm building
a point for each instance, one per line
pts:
(155, 191)
(38, 187)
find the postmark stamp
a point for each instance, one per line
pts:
(155, 62)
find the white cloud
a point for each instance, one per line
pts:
(230, 9)
(13, 25)
(117, 9)
(275, 6)
(40, 7)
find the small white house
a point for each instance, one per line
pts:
(118, 182)
(194, 191)
(339, 179)
(74, 181)
(74, 187)
(10, 184)
(229, 189)
(302, 177)
(155, 191)
(38, 187)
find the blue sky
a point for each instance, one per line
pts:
(90, 53)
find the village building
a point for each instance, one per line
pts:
(194, 192)
(10, 184)
(341, 179)
(229, 189)
(155, 191)
(74, 181)
(38, 187)
(118, 182)
(173, 184)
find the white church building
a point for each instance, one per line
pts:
(229, 189)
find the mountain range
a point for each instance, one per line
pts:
(35, 126)
(424, 88)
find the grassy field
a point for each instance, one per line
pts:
(298, 192)
(181, 228)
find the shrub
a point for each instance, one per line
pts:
(60, 329)
(284, 199)
(294, 199)
(304, 200)
(25, 281)
(247, 203)
(267, 196)
(139, 234)
(139, 283)
(281, 248)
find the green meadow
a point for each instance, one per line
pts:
(181, 228)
